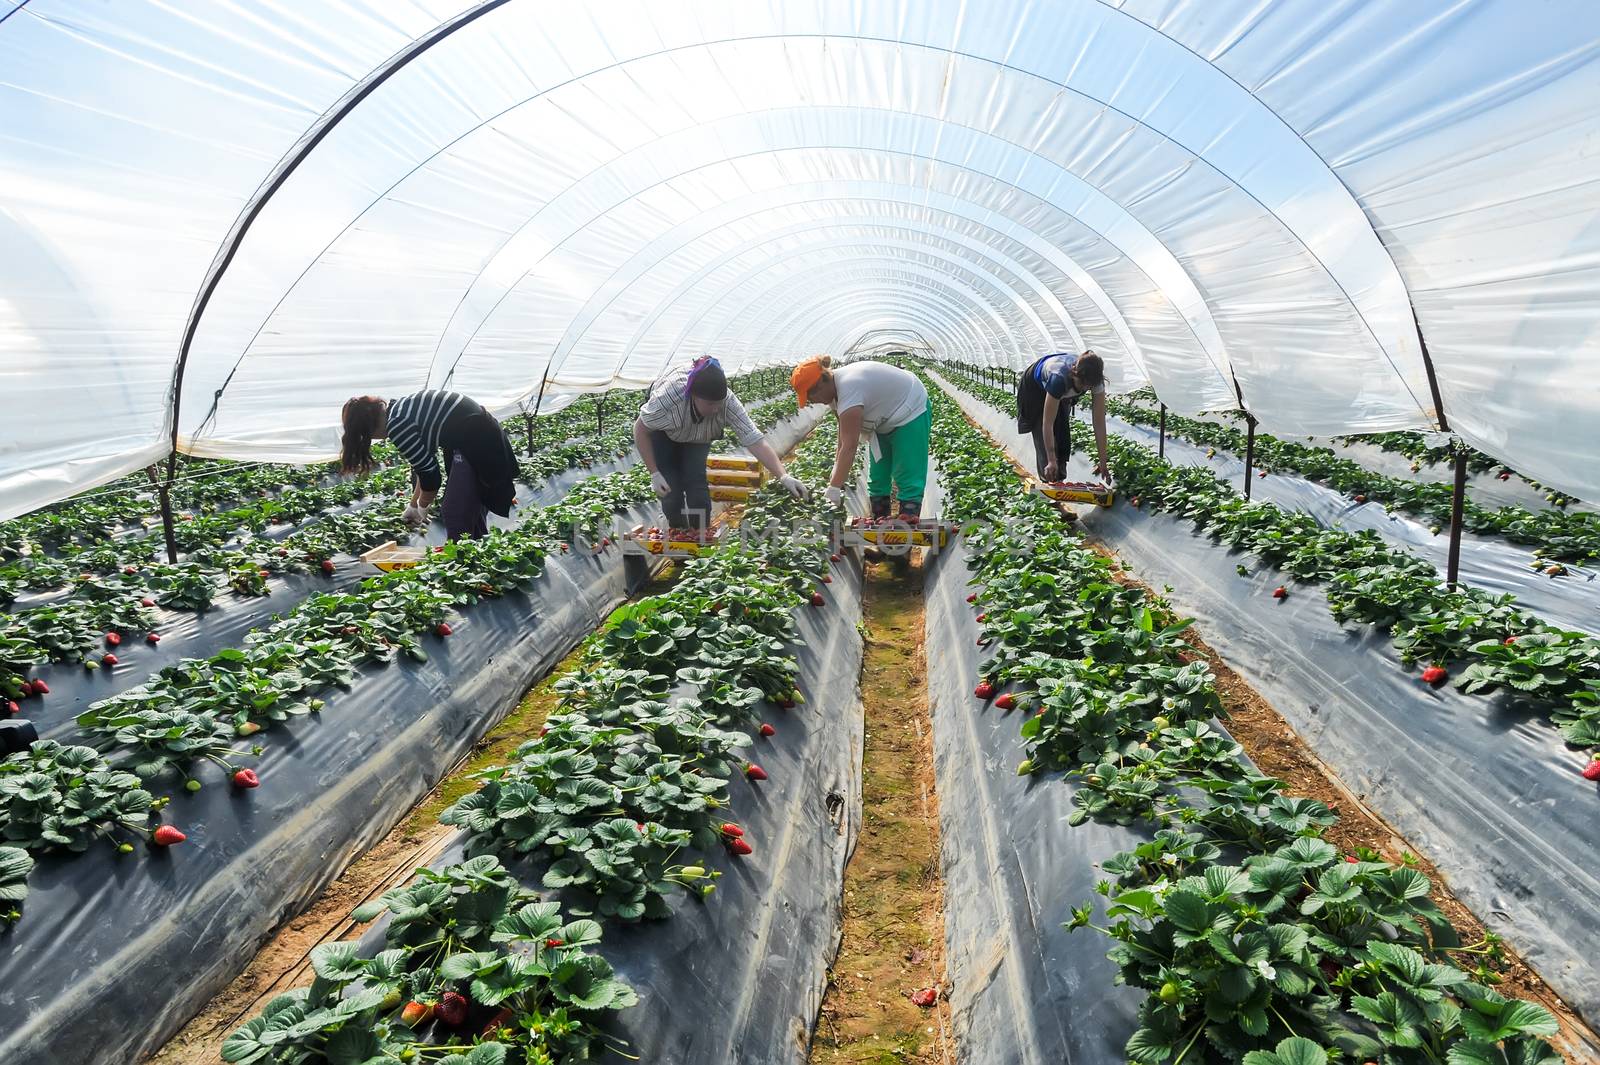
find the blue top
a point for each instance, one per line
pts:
(1054, 373)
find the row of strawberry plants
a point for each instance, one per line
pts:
(634, 765)
(1552, 670)
(1253, 938)
(1415, 446)
(68, 797)
(621, 779)
(1565, 536)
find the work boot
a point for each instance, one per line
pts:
(880, 507)
(911, 513)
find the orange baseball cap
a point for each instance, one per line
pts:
(804, 376)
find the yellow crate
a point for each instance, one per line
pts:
(1098, 494)
(735, 478)
(731, 462)
(927, 534)
(723, 493)
(391, 556)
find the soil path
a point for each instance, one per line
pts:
(893, 941)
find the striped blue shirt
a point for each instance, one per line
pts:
(415, 425)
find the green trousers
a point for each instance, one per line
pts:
(902, 460)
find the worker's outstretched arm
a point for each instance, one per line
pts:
(769, 458)
(849, 439)
(1099, 401)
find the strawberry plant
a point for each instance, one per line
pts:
(476, 970)
(15, 865)
(54, 796)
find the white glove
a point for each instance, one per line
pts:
(794, 486)
(833, 495)
(415, 515)
(659, 483)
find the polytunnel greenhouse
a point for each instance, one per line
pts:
(811, 532)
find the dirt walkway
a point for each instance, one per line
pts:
(893, 943)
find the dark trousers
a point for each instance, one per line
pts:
(463, 509)
(1030, 419)
(688, 504)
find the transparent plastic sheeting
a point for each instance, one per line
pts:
(1484, 789)
(492, 196)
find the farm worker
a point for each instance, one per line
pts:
(1045, 391)
(890, 407)
(687, 409)
(481, 463)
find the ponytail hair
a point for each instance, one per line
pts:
(363, 417)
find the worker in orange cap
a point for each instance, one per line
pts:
(890, 406)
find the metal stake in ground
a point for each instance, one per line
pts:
(1161, 443)
(1249, 450)
(1458, 501)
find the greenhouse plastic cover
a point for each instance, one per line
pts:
(221, 220)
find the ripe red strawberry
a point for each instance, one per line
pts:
(415, 1014)
(113, 639)
(41, 688)
(1280, 592)
(731, 829)
(1592, 770)
(453, 1009)
(147, 602)
(1510, 640)
(1360, 498)
(168, 836)
(1134, 502)
(152, 637)
(246, 778)
(444, 628)
(1352, 859)
(972, 598)
(12, 707)
(984, 690)
(816, 599)
(1007, 701)
(983, 617)
(739, 846)
(554, 943)
(1263, 473)
(754, 772)
(925, 997)
(835, 558)
(25, 689)
(1434, 675)
(109, 660)
(327, 565)
(827, 578)
(768, 730)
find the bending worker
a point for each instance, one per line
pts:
(891, 407)
(687, 410)
(1045, 392)
(481, 463)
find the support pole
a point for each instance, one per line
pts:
(1161, 444)
(1458, 502)
(600, 413)
(169, 528)
(1249, 452)
(536, 405)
